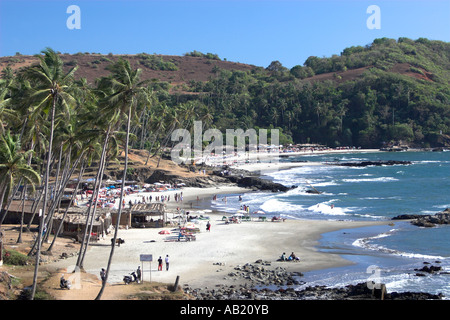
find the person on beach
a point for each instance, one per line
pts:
(103, 275)
(293, 257)
(208, 226)
(283, 257)
(138, 273)
(160, 263)
(167, 262)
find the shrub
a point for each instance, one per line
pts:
(16, 258)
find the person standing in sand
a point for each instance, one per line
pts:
(167, 262)
(208, 226)
(103, 275)
(160, 264)
(138, 273)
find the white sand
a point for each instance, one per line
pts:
(196, 262)
(229, 244)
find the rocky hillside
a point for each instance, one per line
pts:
(175, 70)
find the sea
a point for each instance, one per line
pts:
(390, 254)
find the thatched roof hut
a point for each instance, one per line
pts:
(75, 223)
(148, 215)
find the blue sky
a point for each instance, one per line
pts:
(249, 31)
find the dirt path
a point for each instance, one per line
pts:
(86, 286)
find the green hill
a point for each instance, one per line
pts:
(391, 91)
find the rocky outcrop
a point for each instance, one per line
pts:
(257, 183)
(198, 182)
(407, 217)
(250, 180)
(261, 279)
(427, 221)
(259, 274)
(373, 163)
(350, 292)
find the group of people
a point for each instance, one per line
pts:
(148, 199)
(160, 263)
(138, 274)
(292, 257)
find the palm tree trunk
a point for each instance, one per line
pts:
(93, 202)
(44, 209)
(120, 208)
(24, 190)
(80, 175)
(49, 221)
(64, 180)
(94, 209)
(1, 234)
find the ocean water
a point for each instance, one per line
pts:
(384, 254)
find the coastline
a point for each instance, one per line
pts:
(207, 261)
(267, 165)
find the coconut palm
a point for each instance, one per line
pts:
(13, 168)
(52, 90)
(7, 115)
(127, 90)
(163, 110)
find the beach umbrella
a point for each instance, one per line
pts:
(259, 212)
(164, 232)
(241, 211)
(237, 215)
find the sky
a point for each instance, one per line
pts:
(255, 32)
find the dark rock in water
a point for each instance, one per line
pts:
(260, 184)
(252, 181)
(374, 163)
(427, 221)
(407, 217)
(313, 191)
(429, 269)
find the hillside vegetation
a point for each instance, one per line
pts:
(391, 91)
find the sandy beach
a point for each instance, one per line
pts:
(207, 261)
(214, 254)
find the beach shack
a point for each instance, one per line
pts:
(148, 215)
(74, 224)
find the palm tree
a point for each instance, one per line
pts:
(127, 90)
(163, 110)
(53, 90)
(7, 115)
(13, 168)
